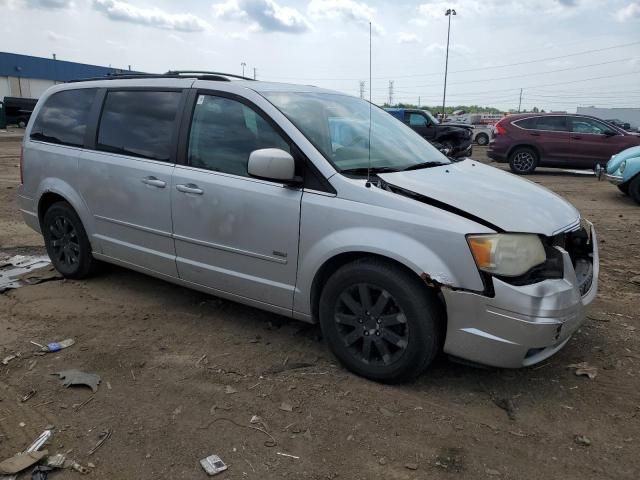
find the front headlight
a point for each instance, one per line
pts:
(623, 165)
(507, 254)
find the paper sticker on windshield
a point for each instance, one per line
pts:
(200, 100)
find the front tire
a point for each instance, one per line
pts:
(380, 321)
(634, 189)
(523, 161)
(624, 188)
(66, 241)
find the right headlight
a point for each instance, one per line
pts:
(507, 254)
(623, 165)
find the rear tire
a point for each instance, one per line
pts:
(66, 241)
(523, 161)
(380, 321)
(624, 188)
(634, 189)
(482, 139)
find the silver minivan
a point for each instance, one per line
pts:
(311, 204)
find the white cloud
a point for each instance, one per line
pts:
(408, 38)
(630, 12)
(49, 3)
(152, 17)
(56, 37)
(472, 8)
(345, 10)
(440, 47)
(264, 15)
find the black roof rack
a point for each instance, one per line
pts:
(201, 75)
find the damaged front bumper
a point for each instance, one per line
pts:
(521, 325)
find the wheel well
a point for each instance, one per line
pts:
(524, 145)
(334, 263)
(46, 201)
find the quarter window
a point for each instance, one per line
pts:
(527, 123)
(63, 117)
(224, 132)
(139, 123)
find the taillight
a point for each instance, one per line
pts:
(500, 130)
(21, 164)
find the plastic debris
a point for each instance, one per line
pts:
(582, 440)
(41, 472)
(76, 377)
(56, 346)
(27, 395)
(55, 461)
(287, 455)
(286, 407)
(213, 465)
(230, 390)
(13, 270)
(584, 369)
(105, 436)
(20, 461)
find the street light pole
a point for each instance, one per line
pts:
(449, 13)
(243, 65)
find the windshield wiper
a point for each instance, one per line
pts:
(419, 166)
(364, 170)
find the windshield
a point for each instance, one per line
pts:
(433, 119)
(338, 126)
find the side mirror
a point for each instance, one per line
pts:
(273, 164)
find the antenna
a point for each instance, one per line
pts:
(368, 184)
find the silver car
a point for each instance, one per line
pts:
(310, 204)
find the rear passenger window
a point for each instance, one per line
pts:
(224, 132)
(139, 123)
(63, 117)
(555, 124)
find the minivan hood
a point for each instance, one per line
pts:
(500, 198)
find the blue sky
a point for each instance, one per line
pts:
(562, 53)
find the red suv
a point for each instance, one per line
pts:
(530, 140)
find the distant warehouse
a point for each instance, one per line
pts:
(626, 115)
(24, 76)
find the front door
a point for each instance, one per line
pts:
(421, 124)
(126, 180)
(594, 142)
(234, 233)
(552, 136)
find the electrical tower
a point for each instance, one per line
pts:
(390, 92)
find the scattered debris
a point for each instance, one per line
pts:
(411, 466)
(8, 358)
(21, 270)
(584, 369)
(507, 405)
(287, 455)
(385, 412)
(76, 377)
(105, 436)
(213, 465)
(20, 461)
(582, 440)
(203, 358)
(229, 390)
(55, 461)
(76, 466)
(286, 407)
(41, 472)
(57, 346)
(26, 456)
(27, 395)
(492, 471)
(80, 405)
(256, 420)
(287, 366)
(32, 364)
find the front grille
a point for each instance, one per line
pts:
(577, 243)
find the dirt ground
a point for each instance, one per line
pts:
(183, 373)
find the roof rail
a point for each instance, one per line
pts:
(199, 73)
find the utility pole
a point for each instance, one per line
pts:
(520, 102)
(362, 84)
(254, 73)
(242, 64)
(390, 92)
(418, 101)
(449, 13)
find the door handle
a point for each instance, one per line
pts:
(534, 134)
(576, 137)
(154, 182)
(190, 188)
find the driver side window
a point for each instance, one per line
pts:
(587, 125)
(418, 120)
